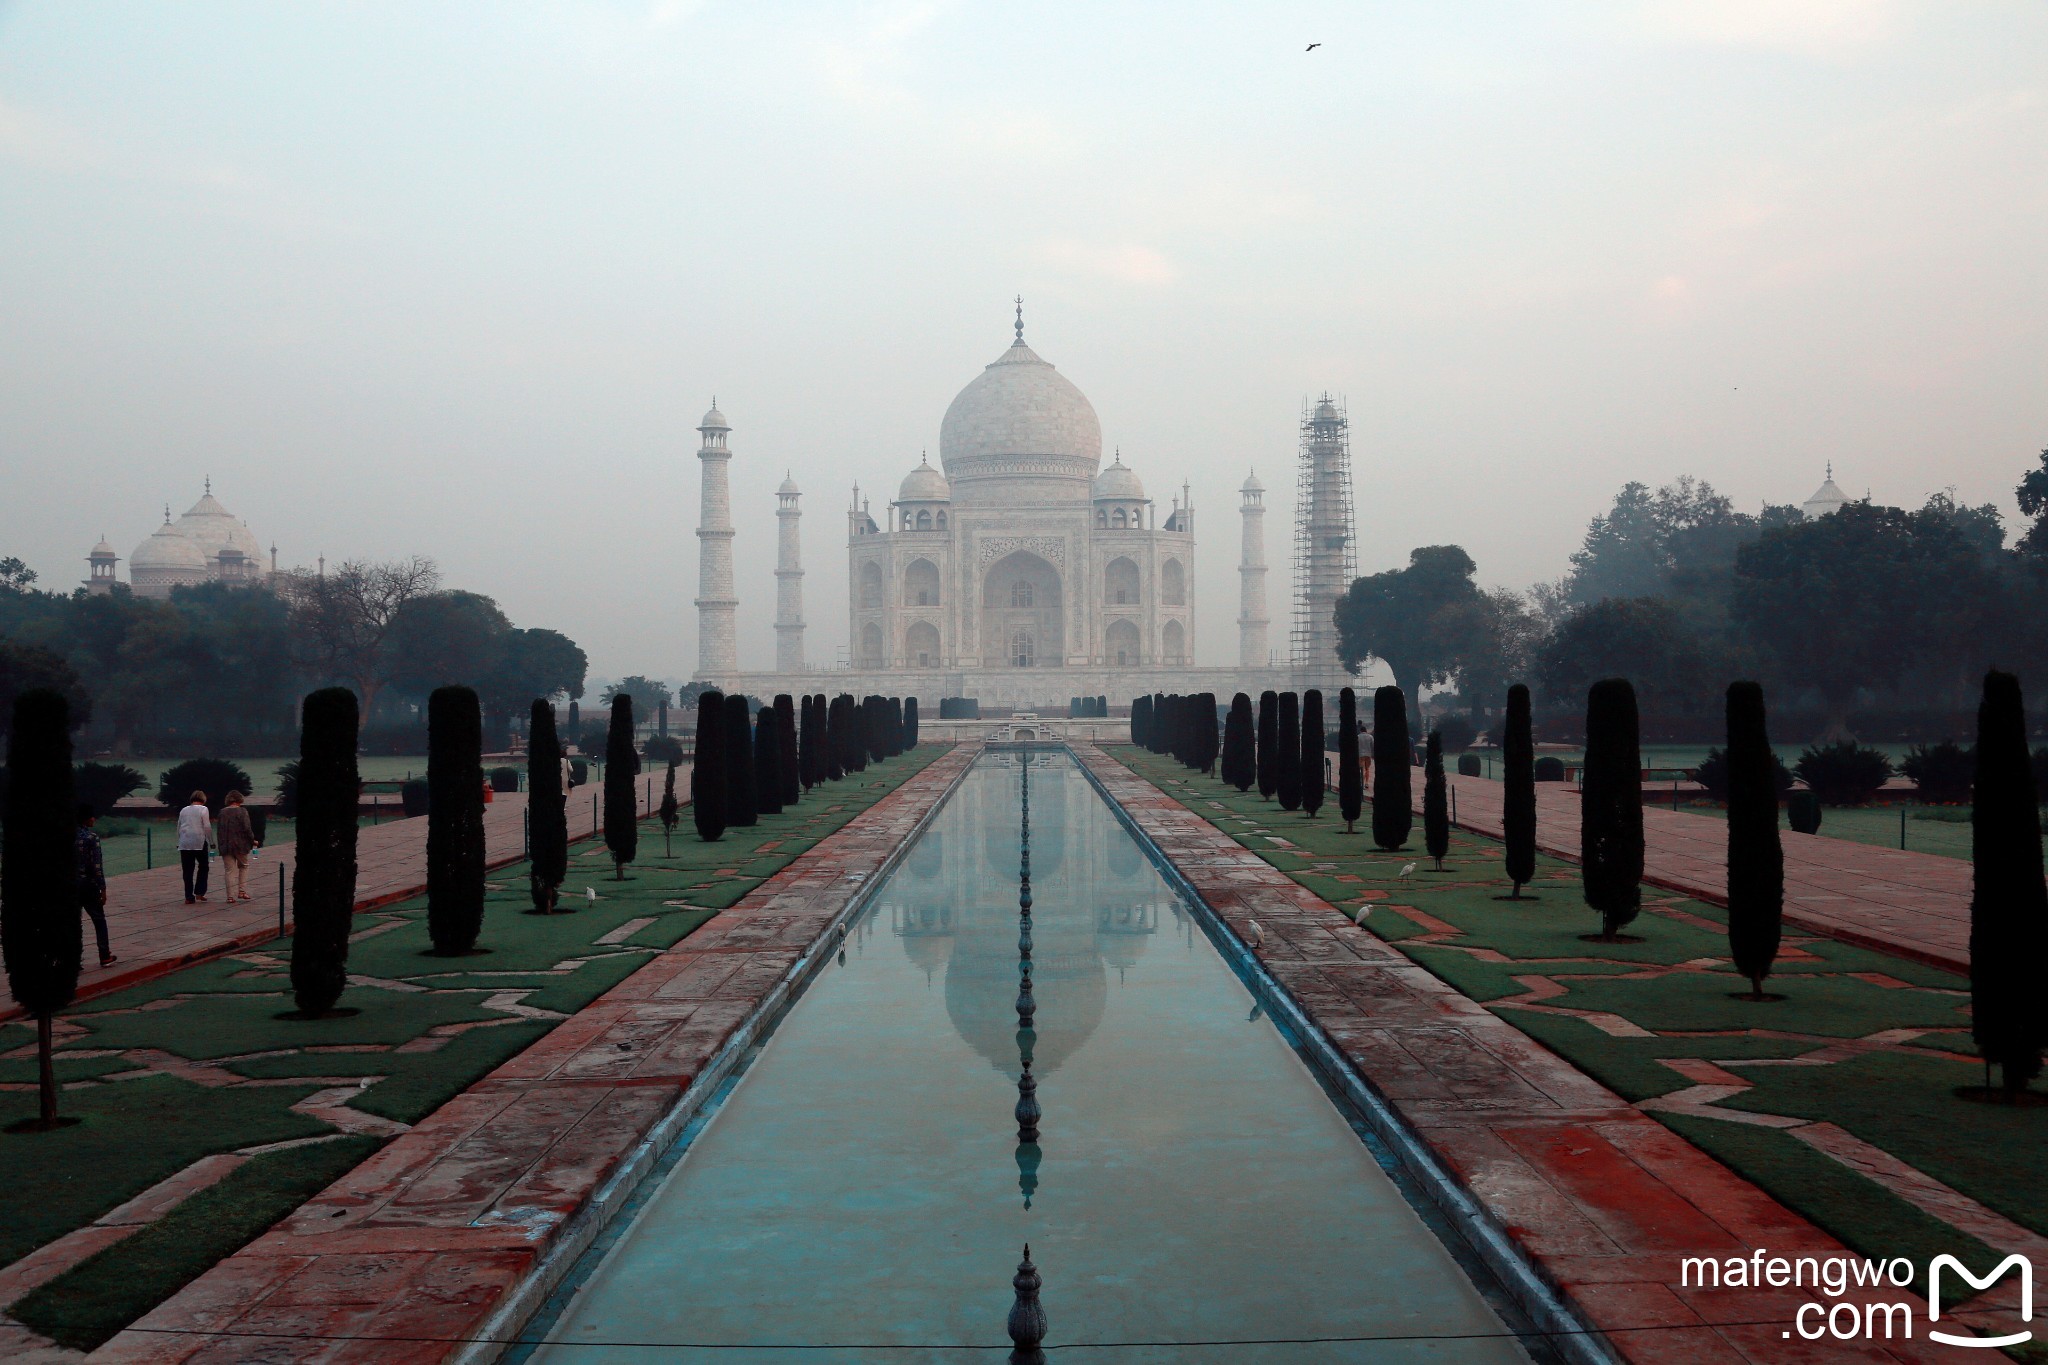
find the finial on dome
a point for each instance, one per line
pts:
(167, 514)
(1020, 320)
(1831, 469)
(209, 485)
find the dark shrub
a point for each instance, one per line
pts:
(1713, 774)
(591, 740)
(104, 784)
(505, 779)
(2040, 765)
(1350, 781)
(1802, 812)
(412, 797)
(455, 819)
(707, 772)
(286, 806)
(1470, 766)
(39, 934)
(1287, 751)
(1519, 774)
(579, 772)
(214, 776)
(1549, 768)
(621, 787)
(1457, 733)
(1844, 774)
(1436, 807)
(546, 812)
(1239, 761)
(324, 853)
(1611, 805)
(662, 750)
(1393, 812)
(1266, 763)
(1756, 858)
(2008, 902)
(1942, 772)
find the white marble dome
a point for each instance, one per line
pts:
(924, 484)
(1022, 420)
(714, 420)
(213, 528)
(1120, 482)
(168, 550)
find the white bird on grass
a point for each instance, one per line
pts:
(1258, 935)
(590, 892)
(1363, 911)
(1408, 869)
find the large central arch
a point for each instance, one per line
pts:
(1023, 619)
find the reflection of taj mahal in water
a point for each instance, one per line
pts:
(1086, 932)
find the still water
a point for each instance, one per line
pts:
(862, 1194)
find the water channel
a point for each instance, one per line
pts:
(862, 1193)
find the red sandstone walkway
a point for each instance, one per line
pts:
(437, 1238)
(154, 931)
(1604, 1200)
(1913, 904)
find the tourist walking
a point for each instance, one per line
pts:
(195, 831)
(92, 878)
(234, 837)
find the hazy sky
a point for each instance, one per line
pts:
(459, 280)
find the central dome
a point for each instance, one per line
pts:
(1021, 421)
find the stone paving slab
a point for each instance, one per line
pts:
(414, 1250)
(1602, 1199)
(153, 931)
(1916, 905)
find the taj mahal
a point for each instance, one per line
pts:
(1019, 570)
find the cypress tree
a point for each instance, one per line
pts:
(1393, 800)
(1436, 802)
(707, 770)
(1287, 752)
(575, 722)
(785, 749)
(621, 787)
(831, 737)
(807, 766)
(1350, 782)
(39, 934)
(878, 729)
(895, 726)
(741, 810)
(671, 809)
(1162, 725)
(547, 816)
(1239, 762)
(1756, 856)
(2008, 903)
(1314, 781)
(768, 761)
(1611, 806)
(455, 820)
(1267, 769)
(910, 722)
(1139, 707)
(1518, 791)
(324, 850)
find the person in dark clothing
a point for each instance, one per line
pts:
(92, 879)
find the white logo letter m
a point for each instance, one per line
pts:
(2015, 1260)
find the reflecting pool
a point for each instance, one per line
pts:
(863, 1194)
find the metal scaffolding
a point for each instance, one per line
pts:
(1325, 543)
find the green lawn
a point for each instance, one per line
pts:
(142, 1123)
(1678, 984)
(131, 845)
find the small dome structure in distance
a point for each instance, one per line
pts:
(1252, 484)
(924, 484)
(1827, 498)
(1119, 482)
(167, 559)
(714, 420)
(789, 488)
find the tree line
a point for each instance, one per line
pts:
(1878, 616)
(222, 667)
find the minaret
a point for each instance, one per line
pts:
(1325, 548)
(717, 652)
(1251, 574)
(789, 581)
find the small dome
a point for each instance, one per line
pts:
(789, 488)
(1252, 484)
(714, 420)
(214, 529)
(168, 548)
(1827, 498)
(924, 484)
(1119, 482)
(103, 551)
(1326, 411)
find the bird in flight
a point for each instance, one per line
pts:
(1311, 47)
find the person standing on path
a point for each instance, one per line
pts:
(234, 838)
(195, 831)
(92, 879)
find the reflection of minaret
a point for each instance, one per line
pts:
(1251, 573)
(717, 650)
(789, 581)
(1325, 549)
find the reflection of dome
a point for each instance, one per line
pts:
(1120, 482)
(924, 484)
(1020, 419)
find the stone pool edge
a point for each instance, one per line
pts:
(1499, 1158)
(444, 1243)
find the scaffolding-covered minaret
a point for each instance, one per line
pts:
(789, 580)
(1325, 548)
(717, 650)
(1252, 651)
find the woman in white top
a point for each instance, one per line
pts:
(195, 831)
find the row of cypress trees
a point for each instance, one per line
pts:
(1183, 726)
(748, 768)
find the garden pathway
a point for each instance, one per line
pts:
(1914, 904)
(153, 931)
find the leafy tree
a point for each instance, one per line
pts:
(1844, 774)
(2008, 901)
(214, 776)
(324, 853)
(1313, 739)
(1393, 810)
(1419, 620)
(15, 578)
(342, 619)
(648, 694)
(1436, 801)
(1942, 772)
(621, 773)
(1713, 774)
(534, 662)
(39, 935)
(455, 819)
(1240, 763)
(1611, 806)
(662, 749)
(2033, 499)
(1287, 758)
(444, 638)
(1756, 855)
(102, 785)
(1518, 790)
(1350, 782)
(768, 761)
(547, 816)
(1267, 770)
(708, 781)
(741, 812)
(1685, 535)
(1645, 639)
(25, 668)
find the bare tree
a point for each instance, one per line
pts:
(341, 619)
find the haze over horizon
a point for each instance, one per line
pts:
(459, 280)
